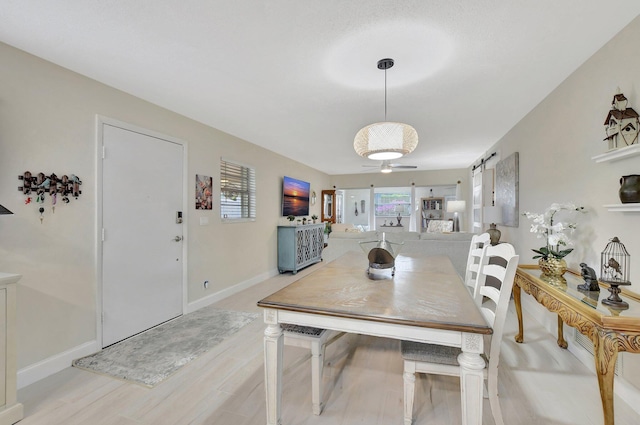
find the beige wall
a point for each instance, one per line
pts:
(47, 123)
(556, 142)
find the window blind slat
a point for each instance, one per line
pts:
(237, 191)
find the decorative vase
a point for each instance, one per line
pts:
(555, 267)
(494, 234)
(630, 189)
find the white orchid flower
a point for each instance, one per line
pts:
(555, 232)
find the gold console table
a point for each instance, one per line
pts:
(610, 330)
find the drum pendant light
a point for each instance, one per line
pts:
(385, 140)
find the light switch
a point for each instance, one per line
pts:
(204, 221)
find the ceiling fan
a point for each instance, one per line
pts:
(387, 166)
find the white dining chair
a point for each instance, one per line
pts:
(443, 360)
(316, 340)
(473, 261)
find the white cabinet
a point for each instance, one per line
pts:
(299, 246)
(10, 410)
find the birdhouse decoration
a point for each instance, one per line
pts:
(622, 123)
(614, 270)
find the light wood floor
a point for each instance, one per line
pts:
(539, 384)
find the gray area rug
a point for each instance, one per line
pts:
(152, 356)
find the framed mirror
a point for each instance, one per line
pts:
(328, 206)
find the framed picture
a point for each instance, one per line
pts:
(507, 180)
(204, 192)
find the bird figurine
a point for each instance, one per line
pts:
(614, 268)
(590, 279)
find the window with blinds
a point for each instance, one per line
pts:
(237, 191)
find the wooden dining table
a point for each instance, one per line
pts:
(426, 301)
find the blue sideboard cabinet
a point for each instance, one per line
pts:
(299, 246)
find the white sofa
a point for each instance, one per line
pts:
(454, 245)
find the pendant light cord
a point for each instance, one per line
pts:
(385, 94)
(385, 64)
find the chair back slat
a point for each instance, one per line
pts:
(494, 270)
(489, 316)
(490, 292)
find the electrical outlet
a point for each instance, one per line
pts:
(206, 284)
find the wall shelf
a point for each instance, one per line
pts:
(616, 154)
(432, 209)
(623, 207)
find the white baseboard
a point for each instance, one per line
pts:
(54, 364)
(227, 292)
(622, 388)
(58, 362)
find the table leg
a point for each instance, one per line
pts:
(273, 349)
(606, 355)
(561, 342)
(471, 378)
(518, 303)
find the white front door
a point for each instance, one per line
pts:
(142, 192)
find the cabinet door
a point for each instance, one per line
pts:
(307, 245)
(299, 248)
(317, 243)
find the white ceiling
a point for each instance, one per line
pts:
(299, 77)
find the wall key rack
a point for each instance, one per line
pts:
(42, 185)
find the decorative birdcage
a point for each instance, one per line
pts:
(614, 270)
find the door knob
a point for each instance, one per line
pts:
(177, 238)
